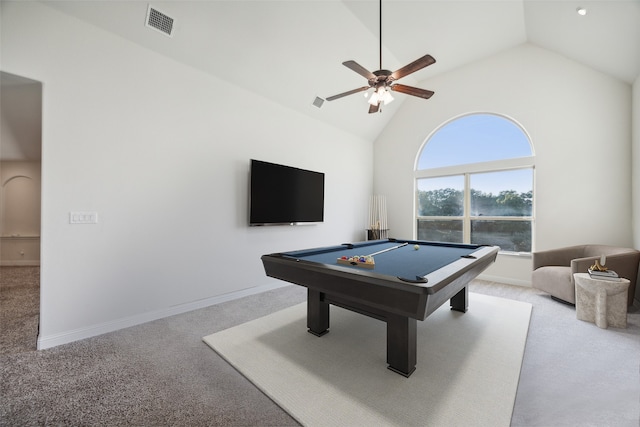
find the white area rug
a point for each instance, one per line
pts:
(467, 371)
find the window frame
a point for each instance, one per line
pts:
(468, 169)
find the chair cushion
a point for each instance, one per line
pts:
(555, 280)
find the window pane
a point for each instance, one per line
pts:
(441, 196)
(472, 139)
(512, 236)
(440, 231)
(504, 193)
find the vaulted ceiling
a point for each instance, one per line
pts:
(292, 51)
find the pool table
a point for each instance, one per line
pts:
(409, 280)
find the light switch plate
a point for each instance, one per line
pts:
(83, 217)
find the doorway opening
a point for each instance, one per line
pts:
(20, 207)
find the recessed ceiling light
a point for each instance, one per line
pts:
(581, 11)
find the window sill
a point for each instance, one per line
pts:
(515, 254)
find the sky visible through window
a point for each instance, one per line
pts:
(472, 139)
(519, 180)
(479, 138)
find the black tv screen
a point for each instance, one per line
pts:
(285, 195)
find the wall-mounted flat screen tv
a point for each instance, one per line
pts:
(285, 195)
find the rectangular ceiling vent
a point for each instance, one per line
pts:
(159, 21)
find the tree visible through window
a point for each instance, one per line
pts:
(474, 184)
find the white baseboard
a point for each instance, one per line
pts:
(19, 263)
(48, 341)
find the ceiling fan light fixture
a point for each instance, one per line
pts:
(386, 97)
(381, 97)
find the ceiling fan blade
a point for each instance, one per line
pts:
(353, 65)
(410, 90)
(374, 108)
(351, 92)
(416, 65)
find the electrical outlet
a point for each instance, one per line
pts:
(83, 217)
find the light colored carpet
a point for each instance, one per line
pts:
(19, 308)
(467, 371)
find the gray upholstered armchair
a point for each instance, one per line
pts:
(553, 269)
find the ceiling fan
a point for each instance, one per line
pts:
(382, 81)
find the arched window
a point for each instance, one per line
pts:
(474, 183)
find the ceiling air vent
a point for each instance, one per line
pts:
(159, 21)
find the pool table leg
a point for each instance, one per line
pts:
(459, 302)
(401, 344)
(317, 313)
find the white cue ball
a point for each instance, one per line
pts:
(416, 247)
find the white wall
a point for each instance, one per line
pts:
(20, 118)
(20, 196)
(19, 213)
(636, 163)
(161, 152)
(635, 181)
(580, 124)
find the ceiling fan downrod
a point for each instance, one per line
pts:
(380, 35)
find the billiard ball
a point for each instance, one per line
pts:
(416, 247)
